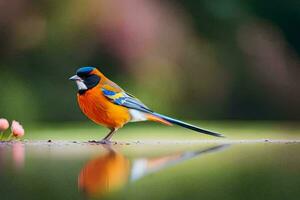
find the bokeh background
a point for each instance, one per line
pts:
(194, 59)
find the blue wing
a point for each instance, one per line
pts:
(124, 99)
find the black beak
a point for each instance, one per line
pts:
(75, 78)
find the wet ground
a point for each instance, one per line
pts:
(151, 169)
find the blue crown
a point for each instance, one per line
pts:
(84, 70)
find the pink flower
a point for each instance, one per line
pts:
(4, 124)
(17, 129)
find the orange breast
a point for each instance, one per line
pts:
(100, 110)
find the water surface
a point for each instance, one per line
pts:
(210, 170)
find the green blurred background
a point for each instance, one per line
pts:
(195, 59)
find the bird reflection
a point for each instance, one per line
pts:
(104, 173)
(112, 170)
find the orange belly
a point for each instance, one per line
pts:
(100, 110)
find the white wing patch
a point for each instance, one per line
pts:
(137, 116)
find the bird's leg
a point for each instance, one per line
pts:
(107, 138)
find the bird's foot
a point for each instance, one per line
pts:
(102, 142)
(105, 142)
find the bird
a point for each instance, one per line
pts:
(108, 105)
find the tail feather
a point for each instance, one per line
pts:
(186, 125)
(155, 118)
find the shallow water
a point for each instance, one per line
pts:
(210, 170)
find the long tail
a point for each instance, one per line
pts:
(186, 125)
(154, 118)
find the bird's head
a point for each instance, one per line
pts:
(87, 78)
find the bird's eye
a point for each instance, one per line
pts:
(84, 76)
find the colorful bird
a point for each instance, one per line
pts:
(107, 104)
